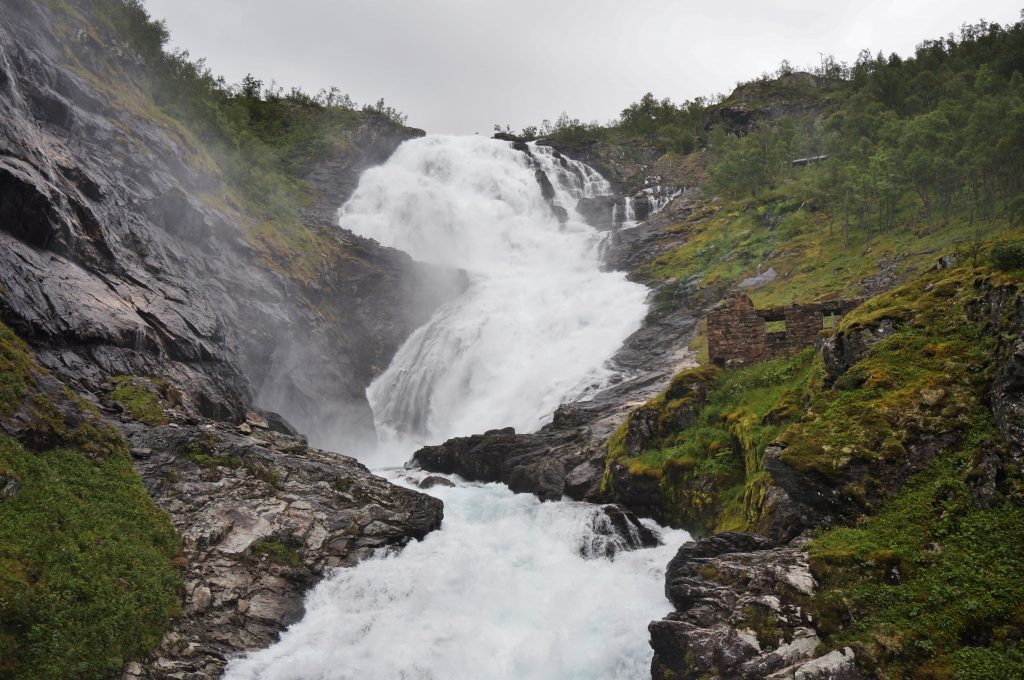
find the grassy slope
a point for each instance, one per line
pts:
(926, 584)
(87, 579)
(711, 476)
(954, 606)
(731, 239)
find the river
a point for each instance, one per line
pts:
(509, 587)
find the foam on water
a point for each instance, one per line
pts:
(500, 593)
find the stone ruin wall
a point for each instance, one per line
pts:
(738, 332)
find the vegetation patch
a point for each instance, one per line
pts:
(278, 552)
(924, 383)
(930, 586)
(203, 452)
(86, 574)
(15, 371)
(707, 457)
(139, 397)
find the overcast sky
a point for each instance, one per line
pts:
(461, 66)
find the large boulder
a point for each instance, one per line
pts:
(741, 612)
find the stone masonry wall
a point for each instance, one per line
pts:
(737, 332)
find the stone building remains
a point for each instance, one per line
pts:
(738, 333)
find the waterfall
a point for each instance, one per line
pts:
(571, 178)
(510, 587)
(539, 319)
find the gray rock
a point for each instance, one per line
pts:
(612, 529)
(597, 211)
(1007, 396)
(320, 510)
(435, 480)
(759, 280)
(113, 262)
(9, 486)
(740, 612)
(842, 350)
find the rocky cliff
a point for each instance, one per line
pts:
(125, 254)
(163, 331)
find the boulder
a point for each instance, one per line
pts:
(612, 529)
(262, 517)
(740, 612)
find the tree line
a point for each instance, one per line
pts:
(264, 137)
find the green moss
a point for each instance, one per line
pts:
(765, 625)
(277, 552)
(929, 581)
(139, 398)
(15, 371)
(52, 415)
(202, 451)
(713, 427)
(925, 380)
(86, 574)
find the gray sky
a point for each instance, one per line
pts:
(461, 66)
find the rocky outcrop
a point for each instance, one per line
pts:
(597, 211)
(761, 101)
(1008, 398)
(500, 456)
(741, 612)
(566, 456)
(120, 255)
(613, 529)
(842, 350)
(262, 517)
(1001, 310)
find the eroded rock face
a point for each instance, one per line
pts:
(262, 518)
(114, 258)
(1008, 398)
(741, 612)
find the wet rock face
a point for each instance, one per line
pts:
(741, 612)
(597, 211)
(112, 263)
(262, 518)
(499, 456)
(1007, 396)
(613, 529)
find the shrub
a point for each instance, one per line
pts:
(1008, 255)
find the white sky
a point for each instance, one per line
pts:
(460, 66)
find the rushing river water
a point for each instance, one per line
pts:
(503, 590)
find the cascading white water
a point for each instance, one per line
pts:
(502, 591)
(570, 178)
(540, 318)
(630, 214)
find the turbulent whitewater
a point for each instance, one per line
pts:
(500, 593)
(505, 590)
(539, 319)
